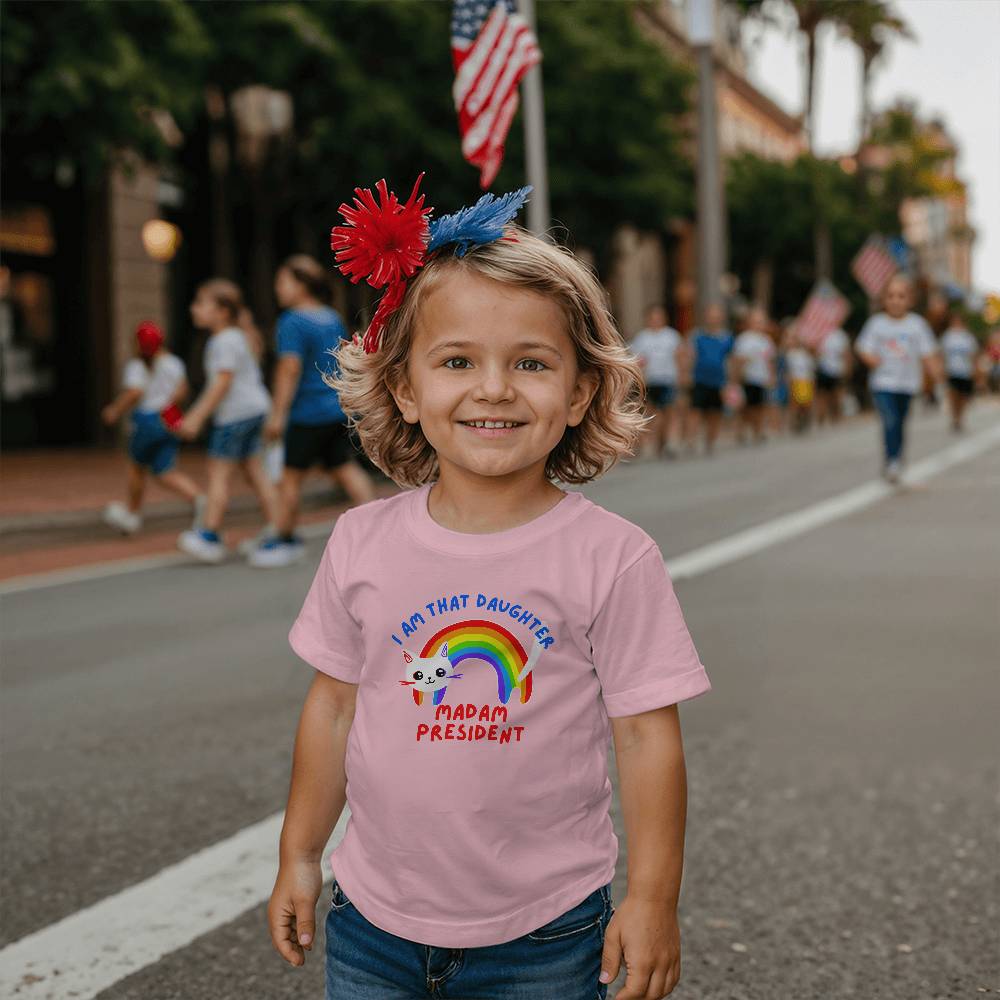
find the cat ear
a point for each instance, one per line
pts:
(444, 651)
(407, 656)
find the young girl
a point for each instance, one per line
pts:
(753, 359)
(833, 366)
(306, 414)
(235, 396)
(801, 364)
(657, 349)
(479, 637)
(961, 356)
(898, 348)
(152, 383)
(710, 349)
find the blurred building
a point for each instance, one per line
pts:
(935, 227)
(80, 270)
(647, 270)
(938, 228)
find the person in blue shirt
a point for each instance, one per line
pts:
(710, 347)
(305, 410)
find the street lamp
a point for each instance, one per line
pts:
(701, 35)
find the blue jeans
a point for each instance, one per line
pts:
(237, 441)
(560, 960)
(150, 444)
(892, 408)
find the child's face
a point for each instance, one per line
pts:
(206, 313)
(714, 318)
(897, 298)
(483, 350)
(656, 318)
(287, 289)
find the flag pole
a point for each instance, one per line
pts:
(538, 217)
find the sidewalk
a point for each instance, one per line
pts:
(51, 505)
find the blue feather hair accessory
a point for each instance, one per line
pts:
(385, 242)
(477, 224)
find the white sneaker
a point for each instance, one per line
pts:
(194, 543)
(892, 472)
(248, 545)
(275, 552)
(117, 515)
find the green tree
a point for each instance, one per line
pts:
(371, 87)
(83, 81)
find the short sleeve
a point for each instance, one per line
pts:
(928, 345)
(290, 336)
(642, 651)
(866, 339)
(325, 634)
(226, 352)
(135, 375)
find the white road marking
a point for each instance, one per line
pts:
(85, 953)
(91, 950)
(787, 526)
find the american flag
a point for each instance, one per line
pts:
(825, 310)
(874, 264)
(492, 47)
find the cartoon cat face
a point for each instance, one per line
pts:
(429, 674)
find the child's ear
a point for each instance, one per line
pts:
(587, 384)
(405, 401)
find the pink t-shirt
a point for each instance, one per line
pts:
(487, 666)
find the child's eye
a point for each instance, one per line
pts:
(531, 361)
(534, 361)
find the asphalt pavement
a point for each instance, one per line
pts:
(843, 771)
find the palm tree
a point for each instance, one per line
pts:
(809, 14)
(870, 24)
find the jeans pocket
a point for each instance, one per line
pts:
(338, 898)
(576, 921)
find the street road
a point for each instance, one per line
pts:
(843, 771)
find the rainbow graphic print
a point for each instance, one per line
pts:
(478, 639)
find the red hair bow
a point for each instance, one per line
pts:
(383, 242)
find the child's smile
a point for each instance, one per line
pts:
(492, 376)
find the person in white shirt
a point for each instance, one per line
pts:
(753, 366)
(833, 365)
(897, 346)
(801, 365)
(238, 402)
(961, 360)
(153, 384)
(658, 349)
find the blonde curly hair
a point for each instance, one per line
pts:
(611, 426)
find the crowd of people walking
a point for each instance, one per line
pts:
(759, 380)
(769, 379)
(299, 421)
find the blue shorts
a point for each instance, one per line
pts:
(661, 394)
(236, 441)
(560, 960)
(150, 444)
